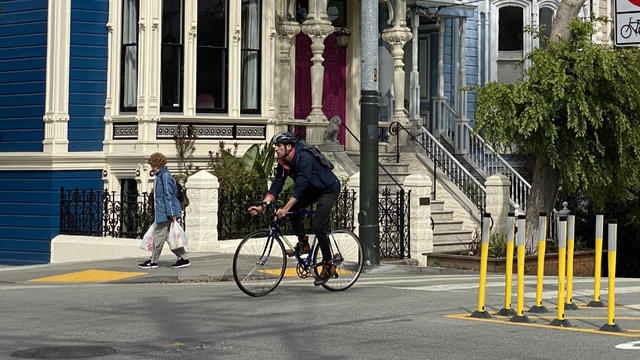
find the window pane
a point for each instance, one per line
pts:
(130, 77)
(546, 21)
(129, 56)
(250, 76)
(172, 22)
(211, 88)
(510, 28)
(250, 80)
(212, 23)
(171, 98)
(171, 58)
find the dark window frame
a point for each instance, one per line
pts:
(180, 46)
(123, 51)
(510, 40)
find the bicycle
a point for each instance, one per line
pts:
(631, 27)
(260, 262)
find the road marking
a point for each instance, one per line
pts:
(634, 345)
(89, 276)
(507, 322)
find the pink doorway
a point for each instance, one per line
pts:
(335, 72)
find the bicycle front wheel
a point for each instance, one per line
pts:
(346, 253)
(259, 263)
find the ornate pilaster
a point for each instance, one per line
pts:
(414, 99)
(56, 117)
(317, 27)
(287, 31)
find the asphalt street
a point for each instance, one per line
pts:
(391, 312)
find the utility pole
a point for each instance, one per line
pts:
(368, 216)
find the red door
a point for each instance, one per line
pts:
(335, 72)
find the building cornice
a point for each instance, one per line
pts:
(32, 161)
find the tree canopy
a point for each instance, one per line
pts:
(577, 110)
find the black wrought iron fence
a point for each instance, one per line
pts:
(394, 208)
(234, 222)
(105, 213)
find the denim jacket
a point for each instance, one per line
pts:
(166, 196)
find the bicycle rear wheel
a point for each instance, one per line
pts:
(346, 253)
(259, 263)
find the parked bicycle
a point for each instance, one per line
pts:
(631, 27)
(260, 261)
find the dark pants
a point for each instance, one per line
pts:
(320, 221)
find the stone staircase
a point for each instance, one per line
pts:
(398, 171)
(448, 233)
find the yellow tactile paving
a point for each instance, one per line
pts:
(89, 276)
(291, 272)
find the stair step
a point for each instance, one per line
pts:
(444, 215)
(437, 205)
(450, 247)
(449, 225)
(452, 236)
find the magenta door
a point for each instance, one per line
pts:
(335, 72)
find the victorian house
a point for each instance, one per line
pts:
(92, 88)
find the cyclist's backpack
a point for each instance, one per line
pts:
(317, 154)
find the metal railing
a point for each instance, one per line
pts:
(394, 209)
(104, 213)
(448, 164)
(490, 162)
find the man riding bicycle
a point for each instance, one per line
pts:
(314, 183)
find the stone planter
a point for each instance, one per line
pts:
(583, 263)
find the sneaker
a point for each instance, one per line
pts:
(181, 263)
(302, 247)
(148, 265)
(328, 271)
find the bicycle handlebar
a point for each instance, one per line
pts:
(278, 205)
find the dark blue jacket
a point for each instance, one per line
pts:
(307, 172)
(166, 196)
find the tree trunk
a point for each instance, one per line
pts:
(567, 11)
(544, 189)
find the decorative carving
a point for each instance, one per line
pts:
(317, 29)
(109, 27)
(331, 132)
(288, 29)
(193, 30)
(397, 35)
(237, 36)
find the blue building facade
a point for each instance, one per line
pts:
(30, 181)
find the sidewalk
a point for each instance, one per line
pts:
(204, 267)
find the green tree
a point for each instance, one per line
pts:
(576, 112)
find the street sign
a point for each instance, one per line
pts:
(627, 22)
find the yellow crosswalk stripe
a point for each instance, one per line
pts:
(89, 276)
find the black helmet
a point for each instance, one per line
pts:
(284, 137)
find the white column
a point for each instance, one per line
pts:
(461, 133)
(317, 26)
(149, 55)
(398, 36)
(202, 212)
(56, 116)
(235, 33)
(414, 100)
(420, 216)
(190, 57)
(287, 31)
(498, 200)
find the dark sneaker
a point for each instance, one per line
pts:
(181, 263)
(327, 271)
(302, 247)
(148, 265)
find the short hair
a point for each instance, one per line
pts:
(157, 160)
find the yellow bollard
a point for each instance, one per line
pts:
(571, 224)
(520, 316)
(542, 243)
(596, 302)
(612, 247)
(484, 255)
(562, 259)
(507, 310)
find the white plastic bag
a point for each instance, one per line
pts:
(177, 237)
(147, 239)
